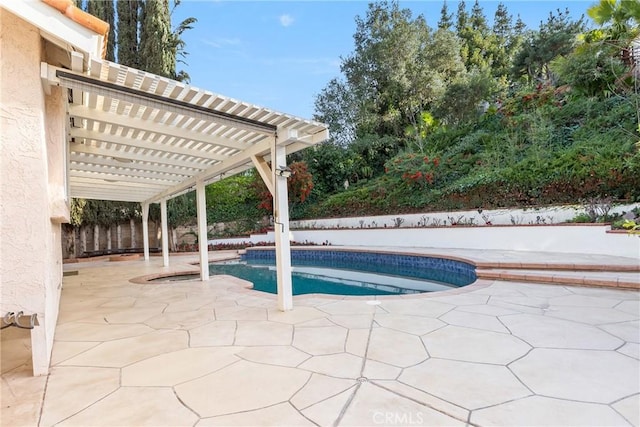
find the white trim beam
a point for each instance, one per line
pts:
(63, 32)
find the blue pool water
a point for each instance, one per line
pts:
(347, 275)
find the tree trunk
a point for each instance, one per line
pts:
(132, 226)
(96, 237)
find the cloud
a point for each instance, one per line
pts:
(286, 20)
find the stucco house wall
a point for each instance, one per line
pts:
(32, 169)
(33, 155)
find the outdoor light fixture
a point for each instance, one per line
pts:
(122, 160)
(284, 171)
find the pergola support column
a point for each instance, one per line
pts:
(165, 233)
(281, 228)
(203, 241)
(145, 230)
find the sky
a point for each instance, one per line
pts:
(281, 54)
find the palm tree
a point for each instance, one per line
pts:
(623, 16)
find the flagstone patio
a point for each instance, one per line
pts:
(217, 353)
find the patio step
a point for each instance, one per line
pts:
(611, 278)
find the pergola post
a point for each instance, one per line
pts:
(281, 228)
(145, 230)
(203, 241)
(165, 233)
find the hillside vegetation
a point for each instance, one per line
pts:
(464, 114)
(477, 116)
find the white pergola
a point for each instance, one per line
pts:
(138, 137)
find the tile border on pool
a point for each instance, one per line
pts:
(462, 268)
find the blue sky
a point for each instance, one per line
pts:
(281, 54)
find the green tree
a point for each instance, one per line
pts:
(446, 18)
(477, 20)
(462, 18)
(330, 165)
(556, 37)
(233, 199)
(178, 45)
(162, 48)
(337, 106)
(105, 10)
(620, 27)
(371, 152)
(399, 68)
(128, 32)
(462, 102)
(102, 212)
(592, 69)
(503, 47)
(502, 27)
(181, 210)
(389, 73)
(156, 55)
(477, 40)
(443, 58)
(517, 37)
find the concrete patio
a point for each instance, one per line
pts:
(217, 353)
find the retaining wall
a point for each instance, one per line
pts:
(569, 238)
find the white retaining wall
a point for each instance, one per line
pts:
(585, 239)
(510, 229)
(542, 216)
(556, 238)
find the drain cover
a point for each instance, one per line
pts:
(362, 379)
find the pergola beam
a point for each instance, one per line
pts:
(134, 96)
(145, 144)
(135, 123)
(217, 169)
(120, 171)
(123, 181)
(265, 172)
(166, 160)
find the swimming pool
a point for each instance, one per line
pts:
(350, 272)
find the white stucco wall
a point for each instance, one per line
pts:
(30, 248)
(543, 215)
(584, 239)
